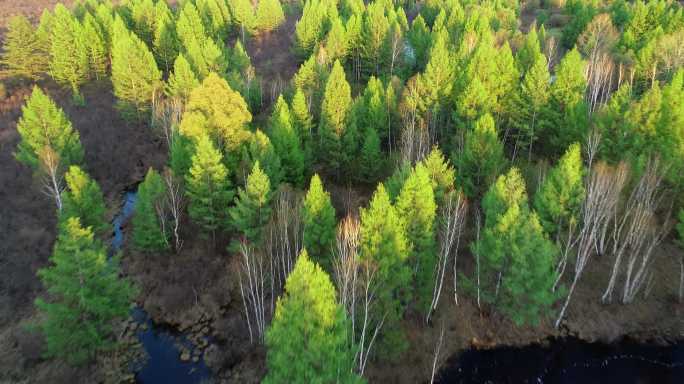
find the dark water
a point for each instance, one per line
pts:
(163, 364)
(569, 361)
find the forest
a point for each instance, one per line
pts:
(336, 191)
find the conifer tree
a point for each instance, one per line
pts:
(516, 258)
(148, 231)
(204, 54)
(385, 249)
(560, 198)
(261, 149)
(252, 208)
(419, 38)
(69, 63)
(98, 54)
(83, 199)
(287, 144)
(439, 74)
(49, 144)
(441, 173)
(336, 42)
(334, 117)
(269, 15)
(529, 53)
(375, 111)
(243, 14)
(566, 119)
(85, 295)
(374, 32)
(22, 53)
(216, 16)
(135, 75)
(308, 340)
(208, 187)
(416, 205)
(215, 109)
(531, 102)
(371, 160)
(303, 123)
(165, 45)
(310, 28)
(482, 158)
(318, 218)
(44, 34)
(180, 154)
(142, 15)
(183, 80)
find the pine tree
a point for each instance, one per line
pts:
(566, 120)
(252, 208)
(208, 187)
(416, 205)
(243, 14)
(303, 123)
(203, 53)
(261, 149)
(98, 54)
(68, 51)
(85, 295)
(385, 249)
(44, 124)
(482, 158)
(287, 144)
(308, 340)
(441, 173)
(135, 75)
(319, 222)
(148, 232)
(531, 102)
(215, 109)
(165, 45)
(269, 15)
(334, 117)
(22, 53)
(560, 198)
(83, 199)
(516, 258)
(371, 157)
(183, 80)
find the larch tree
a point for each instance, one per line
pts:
(165, 45)
(286, 141)
(384, 251)
(252, 208)
(310, 28)
(516, 260)
(208, 187)
(49, 144)
(269, 15)
(180, 154)
(482, 157)
(83, 199)
(530, 51)
(308, 339)
(336, 105)
(375, 111)
(319, 222)
(336, 42)
(204, 54)
(303, 123)
(182, 80)
(419, 38)
(243, 15)
(441, 172)
(370, 157)
(85, 296)
(135, 75)
(69, 64)
(567, 120)
(374, 32)
(23, 54)
(560, 198)
(261, 149)
(416, 205)
(98, 52)
(149, 232)
(215, 109)
(216, 17)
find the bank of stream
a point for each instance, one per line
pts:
(567, 360)
(162, 362)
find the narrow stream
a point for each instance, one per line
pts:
(568, 361)
(163, 364)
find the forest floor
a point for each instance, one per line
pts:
(197, 287)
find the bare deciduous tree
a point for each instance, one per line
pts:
(166, 115)
(175, 203)
(635, 234)
(452, 220)
(254, 273)
(604, 186)
(51, 171)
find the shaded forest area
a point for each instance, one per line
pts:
(337, 191)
